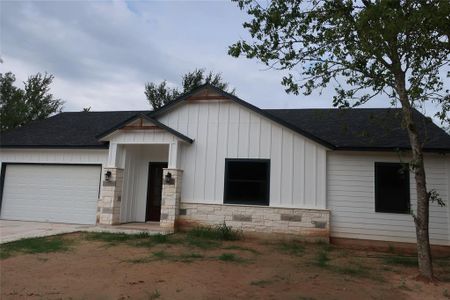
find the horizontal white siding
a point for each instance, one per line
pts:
(224, 129)
(351, 199)
(51, 193)
(151, 136)
(55, 156)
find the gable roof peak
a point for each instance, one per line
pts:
(247, 105)
(144, 116)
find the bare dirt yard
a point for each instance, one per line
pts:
(203, 264)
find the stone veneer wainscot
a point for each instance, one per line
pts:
(305, 222)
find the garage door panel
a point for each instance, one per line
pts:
(55, 193)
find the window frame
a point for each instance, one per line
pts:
(376, 188)
(266, 201)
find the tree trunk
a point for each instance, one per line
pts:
(421, 218)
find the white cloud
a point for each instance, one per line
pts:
(102, 53)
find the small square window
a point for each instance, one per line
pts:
(392, 188)
(247, 181)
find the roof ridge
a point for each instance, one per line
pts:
(334, 108)
(105, 111)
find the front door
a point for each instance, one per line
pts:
(154, 190)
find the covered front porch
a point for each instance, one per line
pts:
(142, 178)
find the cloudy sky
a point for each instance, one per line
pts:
(102, 53)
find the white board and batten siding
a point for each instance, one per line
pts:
(54, 156)
(225, 129)
(351, 199)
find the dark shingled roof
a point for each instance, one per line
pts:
(66, 130)
(364, 128)
(352, 129)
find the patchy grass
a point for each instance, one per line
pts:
(202, 243)
(221, 232)
(357, 273)
(201, 237)
(140, 260)
(163, 255)
(190, 257)
(442, 261)
(292, 247)
(406, 261)
(352, 270)
(160, 255)
(261, 283)
(326, 246)
(230, 257)
(208, 237)
(154, 240)
(240, 248)
(403, 286)
(35, 245)
(142, 239)
(186, 257)
(114, 238)
(160, 238)
(155, 295)
(351, 267)
(322, 259)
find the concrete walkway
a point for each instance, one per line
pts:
(15, 230)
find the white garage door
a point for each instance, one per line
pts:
(51, 193)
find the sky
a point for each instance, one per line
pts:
(103, 52)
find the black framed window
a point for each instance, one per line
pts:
(392, 188)
(247, 181)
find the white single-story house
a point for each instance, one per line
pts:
(210, 157)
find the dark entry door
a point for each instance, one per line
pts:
(154, 190)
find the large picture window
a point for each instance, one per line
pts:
(392, 188)
(247, 181)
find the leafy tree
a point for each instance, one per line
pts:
(198, 77)
(161, 94)
(21, 106)
(362, 48)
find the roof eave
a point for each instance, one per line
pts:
(391, 149)
(100, 147)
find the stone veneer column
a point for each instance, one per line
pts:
(171, 195)
(108, 207)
